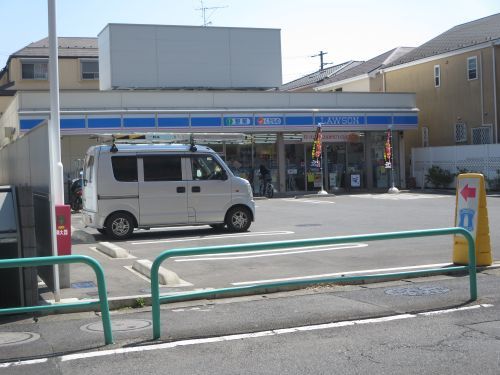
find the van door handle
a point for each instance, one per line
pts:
(181, 189)
(195, 189)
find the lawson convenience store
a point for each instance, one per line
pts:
(279, 129)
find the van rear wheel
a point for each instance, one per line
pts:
(119, 226)
(238, 219)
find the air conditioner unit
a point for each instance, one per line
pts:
(9, 131)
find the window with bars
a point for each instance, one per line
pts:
(37, 70)
(90, 69)
(425, 136)
(481, 135)
(460, 132)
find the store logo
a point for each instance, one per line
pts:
(269, 120)
(341, 120)
(238, 121)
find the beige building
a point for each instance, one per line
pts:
(456, 78)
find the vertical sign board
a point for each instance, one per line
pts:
(471, 213)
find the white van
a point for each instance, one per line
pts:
(153, 185)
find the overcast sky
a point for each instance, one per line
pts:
(346, 29)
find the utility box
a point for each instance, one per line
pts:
(195, 57)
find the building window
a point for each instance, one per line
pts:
(90, 69)
(460, 132)
(425, 136)
(37, 70)
(437, 76)
(481, 135)
(472, 68)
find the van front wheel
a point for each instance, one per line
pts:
(119, 226)
(238, 219)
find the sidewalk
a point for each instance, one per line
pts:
(60, 334)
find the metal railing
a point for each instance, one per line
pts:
(66, 259)
(157, 299)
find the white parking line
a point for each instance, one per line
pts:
(243, 336)
(268, 253)
(311, 201)
(380, 270)
(202, 238)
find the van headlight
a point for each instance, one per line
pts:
(249, 188)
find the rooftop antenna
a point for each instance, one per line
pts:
(204, 12)
(322, 64)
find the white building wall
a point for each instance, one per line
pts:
(156, 56)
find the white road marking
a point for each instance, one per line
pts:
(311, 201)
(202, 238)
(398, 197)
(243, 336)
(439, 312)
(129, 268)
(269, 253)
(380, 270)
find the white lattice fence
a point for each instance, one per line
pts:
(484, 159)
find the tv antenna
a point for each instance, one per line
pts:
(204, 12)
(322, 64)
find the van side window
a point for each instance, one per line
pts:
(124, 168)
(162, 168)
(205, 167)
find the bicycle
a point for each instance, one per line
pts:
(266, 188)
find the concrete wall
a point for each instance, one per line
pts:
(135, 100)
(154, 56)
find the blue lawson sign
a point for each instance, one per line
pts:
(238, 121)
(341, 120)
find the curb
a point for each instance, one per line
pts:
(144, 300)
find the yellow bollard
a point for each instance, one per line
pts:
(471, 213)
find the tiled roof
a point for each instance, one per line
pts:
(68, 47)
(371, 65)
(314, 78)
(462, 36)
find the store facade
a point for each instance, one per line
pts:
(279, 130)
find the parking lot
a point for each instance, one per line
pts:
(284, 219)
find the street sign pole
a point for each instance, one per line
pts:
(55, 165)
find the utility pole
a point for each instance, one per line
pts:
(204, 12)
(322, 64)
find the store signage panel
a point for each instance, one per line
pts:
(340, 120)
(269, 120)
(139, 122)
(104, 122)
(235, 120)
(299, 120)
(379, 120)
(201, 122)
(332, 137)
(28, 124)
(72, 123)
(166, 121)
(407, 120)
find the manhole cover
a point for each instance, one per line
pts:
(119, 325)
(16, 338)
(417, 291)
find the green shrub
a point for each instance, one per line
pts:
(439, 177)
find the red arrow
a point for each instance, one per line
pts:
(468, 192)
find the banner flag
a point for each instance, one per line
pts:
(388, 150)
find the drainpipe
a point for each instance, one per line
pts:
(481, 86)
(495, 110)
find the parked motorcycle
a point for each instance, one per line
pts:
(76, 192)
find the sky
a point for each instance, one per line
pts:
(345, 29)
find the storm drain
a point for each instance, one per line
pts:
(125, 325)
(417, 291)
(17, 338)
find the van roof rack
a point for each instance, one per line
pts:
(186, 138)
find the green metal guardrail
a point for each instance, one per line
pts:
(157, 299)
(66, 259)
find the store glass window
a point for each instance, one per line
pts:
(381, 171)
(295, 167)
